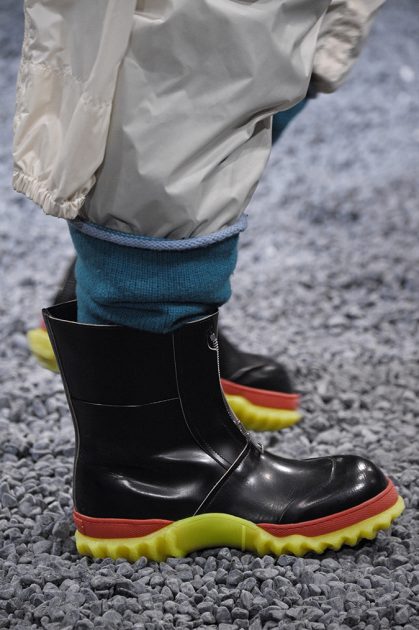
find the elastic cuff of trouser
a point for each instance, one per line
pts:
(159, 244)
(153, 290)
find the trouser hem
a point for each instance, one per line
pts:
(159, 244)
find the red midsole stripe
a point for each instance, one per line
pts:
(132, 528)
(117, 527)
(383, 501)
(262, 397)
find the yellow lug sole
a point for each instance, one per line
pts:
(40, 346)
(223, 530)
(257, 418)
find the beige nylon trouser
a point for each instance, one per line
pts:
(157, 111)
(190, 131)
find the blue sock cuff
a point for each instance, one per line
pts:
(281, 120)
(153, 290)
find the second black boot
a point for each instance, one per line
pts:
(258, 388)
(163, 467)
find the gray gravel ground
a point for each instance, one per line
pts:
(328, 278)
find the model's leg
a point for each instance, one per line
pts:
(258, 387)
(189, 137)
(162, 465)
(182, 160)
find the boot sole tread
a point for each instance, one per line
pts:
(224, 530)
(258, 418)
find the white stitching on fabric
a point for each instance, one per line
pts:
(65, 73)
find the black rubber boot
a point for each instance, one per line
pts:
(163, 467)
(257, 387)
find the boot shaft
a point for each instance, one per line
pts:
(110, 365)
(150, 417)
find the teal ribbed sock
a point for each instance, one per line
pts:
(281, 120)
(150, 289)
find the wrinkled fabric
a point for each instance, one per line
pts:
(343, 31)
(190, 132)
(160, 108)
(70, 58)
(153, 117)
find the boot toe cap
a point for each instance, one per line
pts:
(356, 480)
(353, 480)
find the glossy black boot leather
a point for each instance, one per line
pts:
(252, 370)
(258, 388)
(156, 439)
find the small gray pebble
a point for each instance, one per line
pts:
(8, 500)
